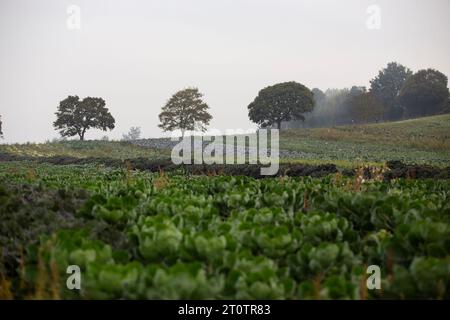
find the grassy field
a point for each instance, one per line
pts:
(420, 141)
(83, 149)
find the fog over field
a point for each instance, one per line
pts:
(136, 54)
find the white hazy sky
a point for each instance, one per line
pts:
(135, 54)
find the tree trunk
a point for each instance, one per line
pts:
(279, 124)
(82, 134)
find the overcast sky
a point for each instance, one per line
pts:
(136, 54)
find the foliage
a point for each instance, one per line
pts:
(74, 117)
(386, 87)
(319, 96)
(424, 93)
(185, 110)
(331, 108)
(281, 102)
(229, 237)
(28, 212)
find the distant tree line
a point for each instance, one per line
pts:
(396, 93)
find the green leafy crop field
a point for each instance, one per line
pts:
(199, 234)
(145, 235)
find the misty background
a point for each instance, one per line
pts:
(136, 54)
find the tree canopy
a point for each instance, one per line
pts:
(185, 110)
(75, 116)
(1, 132)
(281, 102)
(386, 88)
(425, 93)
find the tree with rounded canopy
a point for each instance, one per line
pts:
(425, 93)
(281, 102)
(1, 133)
(75, 116)
(185, 110)
(386, 88)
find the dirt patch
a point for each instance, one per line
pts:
(396, 169)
